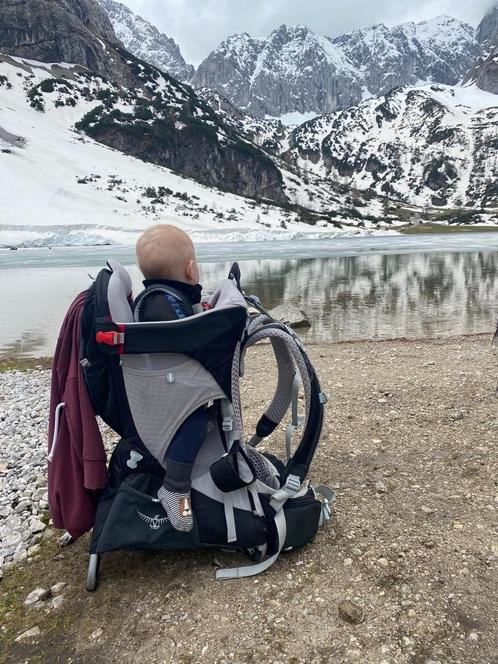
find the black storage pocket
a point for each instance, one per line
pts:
(137, 521)
(302, 516)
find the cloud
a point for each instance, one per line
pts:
(198, 26)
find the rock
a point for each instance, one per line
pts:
(36, 526)
(57, 588)
(37, 595)
(290, 315)
(455, 417)
(57, 601)
(351, 612)
(96, 634)
(380, 487)
(31, 633)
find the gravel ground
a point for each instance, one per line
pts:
(406, 572)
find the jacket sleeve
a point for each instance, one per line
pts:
(78, 468)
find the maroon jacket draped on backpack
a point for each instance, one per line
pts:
(78, 467)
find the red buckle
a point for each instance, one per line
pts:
(109, 338)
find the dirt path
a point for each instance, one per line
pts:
(410, 446)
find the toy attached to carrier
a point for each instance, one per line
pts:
(146, 378)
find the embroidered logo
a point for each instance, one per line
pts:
(154, 522)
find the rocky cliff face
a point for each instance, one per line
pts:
(295, 69)
(435, 145)
(485, 73)
(487, 30)
(76, 31)
(146, 42)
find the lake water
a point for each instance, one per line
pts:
(357, 288)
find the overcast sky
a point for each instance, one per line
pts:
(198, 26)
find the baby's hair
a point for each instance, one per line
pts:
(163, 251)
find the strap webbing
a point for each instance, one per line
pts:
(252, 570)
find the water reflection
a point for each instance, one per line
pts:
(346, 297)
(385, 296)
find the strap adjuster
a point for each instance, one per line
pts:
(291, 487)
(227, 424)
(110, 338)
(292, 484)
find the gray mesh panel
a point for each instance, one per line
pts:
(264, 469)
(286, 372)
(163, 389)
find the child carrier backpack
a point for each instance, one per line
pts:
(145, 378)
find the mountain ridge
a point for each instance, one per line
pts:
(295, 69)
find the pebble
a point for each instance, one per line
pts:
(351, 612)
(57, 588)
(34, 631)
(37, 595)
(57, 601)
(23, 467)
(97, 634)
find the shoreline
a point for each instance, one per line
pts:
(15, 363)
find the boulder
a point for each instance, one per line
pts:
(290, 315)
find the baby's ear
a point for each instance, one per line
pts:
(190, 270)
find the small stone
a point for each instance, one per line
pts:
(380, 487)
(34, 631)
(473, 636)
(37, 595)
(36, 526)
(457, 526)
(57, 601)
(347, 562)
(97, 634)
(455, 417)
(57, 588)
(351, 612)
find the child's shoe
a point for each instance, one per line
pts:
(178, 508)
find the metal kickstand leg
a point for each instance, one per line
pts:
(92, 578)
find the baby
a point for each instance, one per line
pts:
(166, 256)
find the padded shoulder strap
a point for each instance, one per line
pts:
(291, 360)
(180, 305)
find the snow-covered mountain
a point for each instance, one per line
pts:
(295, 69)
(433, 145)
(62, 187)
(147, 113)
(271, 135)
(145, 41)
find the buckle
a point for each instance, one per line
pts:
(110, 338)
(292, 484)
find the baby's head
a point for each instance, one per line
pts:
(166, 252)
